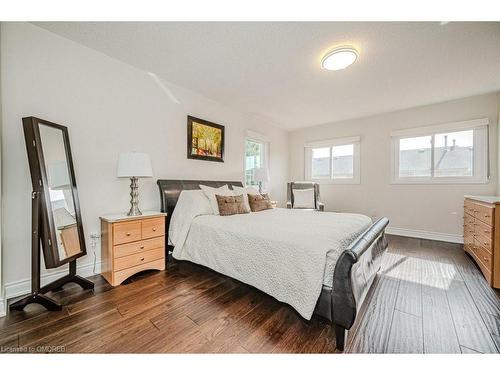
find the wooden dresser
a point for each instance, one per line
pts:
(132, 244)
(482, 235)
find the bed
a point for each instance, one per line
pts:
(321, 263)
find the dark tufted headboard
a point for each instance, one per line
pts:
(171, 189)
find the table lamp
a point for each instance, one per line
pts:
(261, 175)
(134, 165)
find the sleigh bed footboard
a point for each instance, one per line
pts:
(353, 276)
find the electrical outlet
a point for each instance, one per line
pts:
(95, 236)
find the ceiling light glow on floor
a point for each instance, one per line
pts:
(339, 58)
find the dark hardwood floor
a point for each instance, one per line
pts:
(428, 298)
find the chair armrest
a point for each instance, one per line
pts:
(321, 206)
(288, 204)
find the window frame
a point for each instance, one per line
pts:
(257, 138)
(480, 157)
(354, 140)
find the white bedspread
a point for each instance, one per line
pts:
(281, 252)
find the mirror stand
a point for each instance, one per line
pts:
(37, 292)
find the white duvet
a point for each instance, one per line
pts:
(288, 254)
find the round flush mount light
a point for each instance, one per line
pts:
(339, 58)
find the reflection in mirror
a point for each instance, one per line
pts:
(61, 205)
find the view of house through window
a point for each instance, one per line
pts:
(439, 155)
(336, 162)
(321, 162)
(254, 158)
(415, 157)
(343, 161)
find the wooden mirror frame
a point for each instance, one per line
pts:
(48, 233)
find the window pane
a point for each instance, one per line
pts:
(321, 162)
(415, 157)
(343, 161)
(453, 154)
(254, 152)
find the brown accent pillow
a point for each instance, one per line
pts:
(231, 205)
(259, 202)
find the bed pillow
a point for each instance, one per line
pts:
(210, 193)
(191, 203)
(303, 198)
(259, 202)
(231, 205)
(245, 191)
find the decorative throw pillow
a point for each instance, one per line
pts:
(210, 192)
(303, 198)
(231, 205)
(245, 191)
(259, 202)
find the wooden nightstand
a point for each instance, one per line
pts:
(130, 244)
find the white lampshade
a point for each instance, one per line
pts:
(134, 164)
(261, 174)
(58, 176)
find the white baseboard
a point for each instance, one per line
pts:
(415, 233)
(21, 287)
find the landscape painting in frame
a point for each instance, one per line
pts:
(205, 140)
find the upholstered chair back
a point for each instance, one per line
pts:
(301, 185)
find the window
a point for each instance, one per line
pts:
(333, 161)
(255, 157)
(447, 153)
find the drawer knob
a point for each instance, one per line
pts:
(485, 243)
(486, 215)
(142, 247)
(154, 229)
(142, 259)
(485, 259)
(128, 233)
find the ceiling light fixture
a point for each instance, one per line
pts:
(339, 58)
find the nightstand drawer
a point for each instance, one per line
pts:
(138, 247)
(120, 276)
(126, 232)
(138, 259)
(153, 227)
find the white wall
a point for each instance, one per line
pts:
(2, 302)
(428, 208)
(108, 107)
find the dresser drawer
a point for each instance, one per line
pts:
(468, 238)
(138, 247)
(469, 230)
(482, 255)
(469, 245)
(138, 259)
(484, 242)
(153, 227)
(126, 232)
(483, 229)
(468, 219)
(469, 207)
(484, 213)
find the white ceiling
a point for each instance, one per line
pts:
(273, 69)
